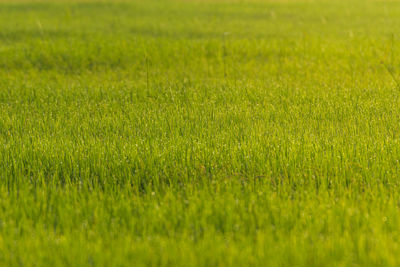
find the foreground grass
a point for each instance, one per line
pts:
(199, 133)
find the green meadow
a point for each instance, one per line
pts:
(199, 133)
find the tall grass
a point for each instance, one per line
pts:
(140, 133)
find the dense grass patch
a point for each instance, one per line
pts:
(202, 133)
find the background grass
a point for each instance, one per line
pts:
(199, 133)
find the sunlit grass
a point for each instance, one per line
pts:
(199, 133)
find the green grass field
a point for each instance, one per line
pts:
(199, 133)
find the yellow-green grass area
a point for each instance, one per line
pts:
(199, 133)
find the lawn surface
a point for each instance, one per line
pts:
(199, 133)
